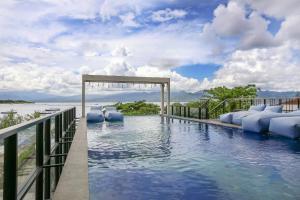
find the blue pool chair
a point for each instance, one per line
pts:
(286, 126)
(94, 117)
(236, 117)
(112, 115)
(260, 122)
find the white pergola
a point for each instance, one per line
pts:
(129, 79)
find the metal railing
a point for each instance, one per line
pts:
(65, 125)
(212, 108)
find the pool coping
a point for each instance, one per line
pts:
(207, 121)
(73, 182)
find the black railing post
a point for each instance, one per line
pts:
(10, 167)
(184, 111)
(199, 113)
(189, 111)
(206, 113)
(47, 154)
(74, 122)
(265, 101)
(65, 133)
(60, 140)
(180, 111)
(56, 138)
(68, 129)
(39, 186)
(172, 110)
(74, 119)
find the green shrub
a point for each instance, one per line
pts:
(138, 108)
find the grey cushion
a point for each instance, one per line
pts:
(113, 116)
(237, 117)
(286, 126)
(260, 107)
(276, 109)
(260, 122)
(226, 118)
(94, 117)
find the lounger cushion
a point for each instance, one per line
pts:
(226, 118)
(113, 116)
(295, 112)
(286, 126)
(276, 109)
(237, 117)
(260, 107)
(260, 122)
(94, 117)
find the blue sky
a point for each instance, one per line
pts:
(198, 44)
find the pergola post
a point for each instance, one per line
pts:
(83, 98)
(169, 99)
(162, 99)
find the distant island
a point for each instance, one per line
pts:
(9, 101)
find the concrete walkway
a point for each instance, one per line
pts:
(73, 183)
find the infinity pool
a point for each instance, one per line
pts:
(143, 158)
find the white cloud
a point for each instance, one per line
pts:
(32, 77)
(109, 8)
(231, 21)
(275, 8)
(36, 46)
(128, 20)
(258, 61)
(289, 31)
(167, 15)
(267, 68)
(120, 51)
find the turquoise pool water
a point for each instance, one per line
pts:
(143, 158)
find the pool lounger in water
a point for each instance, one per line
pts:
(236, 117)
(260, 122)
(94, 117)
(286, 126)
(113, 116)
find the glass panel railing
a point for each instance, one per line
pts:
(26, 154)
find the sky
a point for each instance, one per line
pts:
(47, 44)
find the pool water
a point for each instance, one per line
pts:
(143, 158)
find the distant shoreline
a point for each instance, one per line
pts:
(9, 101)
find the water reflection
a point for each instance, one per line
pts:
(147, 159)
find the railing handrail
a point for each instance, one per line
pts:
(218, 105)
(12, 130)
(205, 104)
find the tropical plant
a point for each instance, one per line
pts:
(222, 93)
(138, 108)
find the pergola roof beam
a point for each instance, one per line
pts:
(124, 79)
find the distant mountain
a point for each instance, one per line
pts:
(181, 96)
(268, 94)
(124, 97)
(25, 95)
